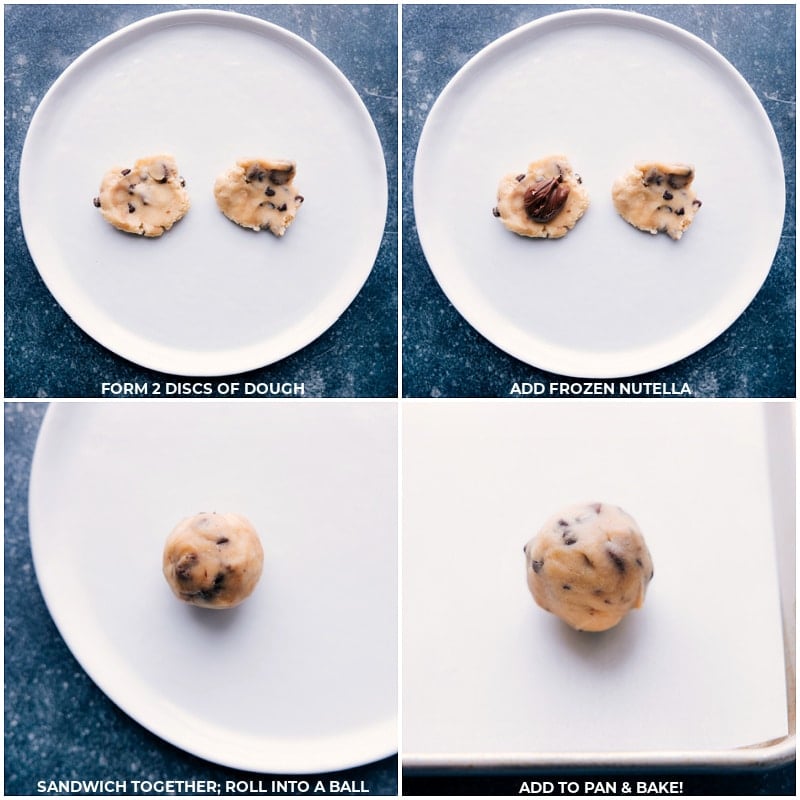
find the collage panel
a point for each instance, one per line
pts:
(598, 595)
(273, 524)
(153, 271)
(137, 649)
(579, 125)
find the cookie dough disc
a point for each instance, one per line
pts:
(259, 194)
(589, 565)
(146, 199)
(542, 220)
(213, 560)
(657, 197)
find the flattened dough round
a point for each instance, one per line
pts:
(146, 199)
(259, 194)
(589, 565)
(511, 209)
(656, 197)
(213, 560)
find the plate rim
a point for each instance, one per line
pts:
(382, 734)
(558, 359)
(132, 345)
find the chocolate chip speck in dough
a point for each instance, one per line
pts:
(259, 194)
(589, 565)
(213, 560)
(146, 199)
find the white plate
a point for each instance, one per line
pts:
(209, 297)
(300, 678)
(607, 88)
(698, 671)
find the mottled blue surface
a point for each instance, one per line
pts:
(47, 355)
(58, 724)
(443, 356)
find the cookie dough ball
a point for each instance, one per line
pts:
(146, 199)
(589, 565)
(259, 194)
(656, 197)
(213, 560)
(543, 203)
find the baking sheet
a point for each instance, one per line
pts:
(302, 677)
(606, 300)
(487, 674)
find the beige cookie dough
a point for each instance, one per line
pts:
(213, 560)
(656, 197)
(146, 199)
(544, 202)
(589, 565)
(259, 194)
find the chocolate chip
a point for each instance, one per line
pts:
(96, 202)
(521, 176)
(537, 566)
(563, 523)
(680, 212)
(184, 566)
(299, 199)
(589, 562)
(697, 203)
(639, 562)
(281, 176)
(183, 182)
(579, 179)
(216, 588)
(495, 212)
(125, 172)
(131, 208)
(270, 192)
(653, 177)
(569, 539)
(619, 561)
(282, 207)
(668, 195)
(679, 181)
(223, 540)
(567, 587)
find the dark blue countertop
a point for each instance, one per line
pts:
(58, 724)
(443, 356)
(47, 355)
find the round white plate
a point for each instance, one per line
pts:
(606, 88)
(302, 677)
(209, 87)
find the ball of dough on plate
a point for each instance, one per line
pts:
(589, 565)
(213, 560)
